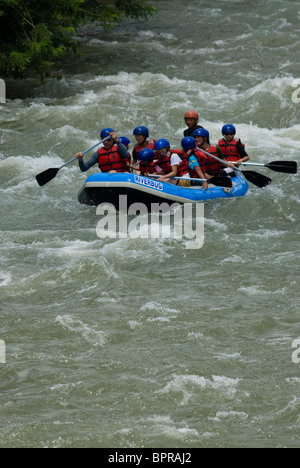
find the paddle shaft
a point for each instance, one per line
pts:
(252, 164)
(258, 179)
(216, 158)
(86, 151)
(289, 167)
(49, 174)
(219, 181)
(180, 178)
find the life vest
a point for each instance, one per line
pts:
(202, 160)
(137, 148)
(230, 150)
(147, 167)
(213, 167)
(110, 160)
(165, 164)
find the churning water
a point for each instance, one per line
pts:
(141, 342)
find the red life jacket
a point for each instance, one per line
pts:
(147, 167)
(230, 150)
(137, 148)
(213, 167)
(110, 160)
(165, 164)
(202, 160)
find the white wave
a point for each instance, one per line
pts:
(66, 387)
(168, 427)
(195, 336)
(151, 34)
(256, 290)
(88, 333)
(189, 385)
(72, 249)
(5, 278)
(231, 415)
(159, 308)
(234, 259)
(155, 92)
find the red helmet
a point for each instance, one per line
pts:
(192, 115)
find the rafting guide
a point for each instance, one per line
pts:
(162, 221)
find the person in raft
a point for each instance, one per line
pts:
(141, 134)
(172, 163)
(213, 167)
(147, 163)
(126, 142)
(112, 157)
(196, 160)
(233, 149)
(191, 119)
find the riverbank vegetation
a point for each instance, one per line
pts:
(35, 33)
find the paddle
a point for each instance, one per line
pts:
(219, 181)
(254, 177)
(289, 167)
(45, 177)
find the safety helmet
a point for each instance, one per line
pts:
(228, 128)
(105, 132)
(201, 132)
(192, 115)
(163, 143)
(124, 140)
(146, 155)
(188, 143)
(141, 130)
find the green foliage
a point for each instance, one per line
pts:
(34, 33)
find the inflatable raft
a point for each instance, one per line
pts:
(106, 188)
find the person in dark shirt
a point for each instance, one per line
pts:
(191, 119)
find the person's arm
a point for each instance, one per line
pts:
(85, 166)
(134, 156)
(242, 152)
(243, 156)
(194, 166)
(173, 173)
(174, 161)
(122, 150)
(220, 154)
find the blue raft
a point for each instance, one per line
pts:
(106, 188)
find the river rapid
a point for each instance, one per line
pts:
(142, 342)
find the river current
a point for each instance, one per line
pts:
(142, 342)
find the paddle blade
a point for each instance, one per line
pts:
(221, 181)
(289, 167)
(257, 179)
(45, 177)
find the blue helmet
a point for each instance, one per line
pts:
(146, 155)
(124, 140)
(163, 143)
(105, 132)
(201, 132)
(228, 128)
(141, 131)
(188, 143)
